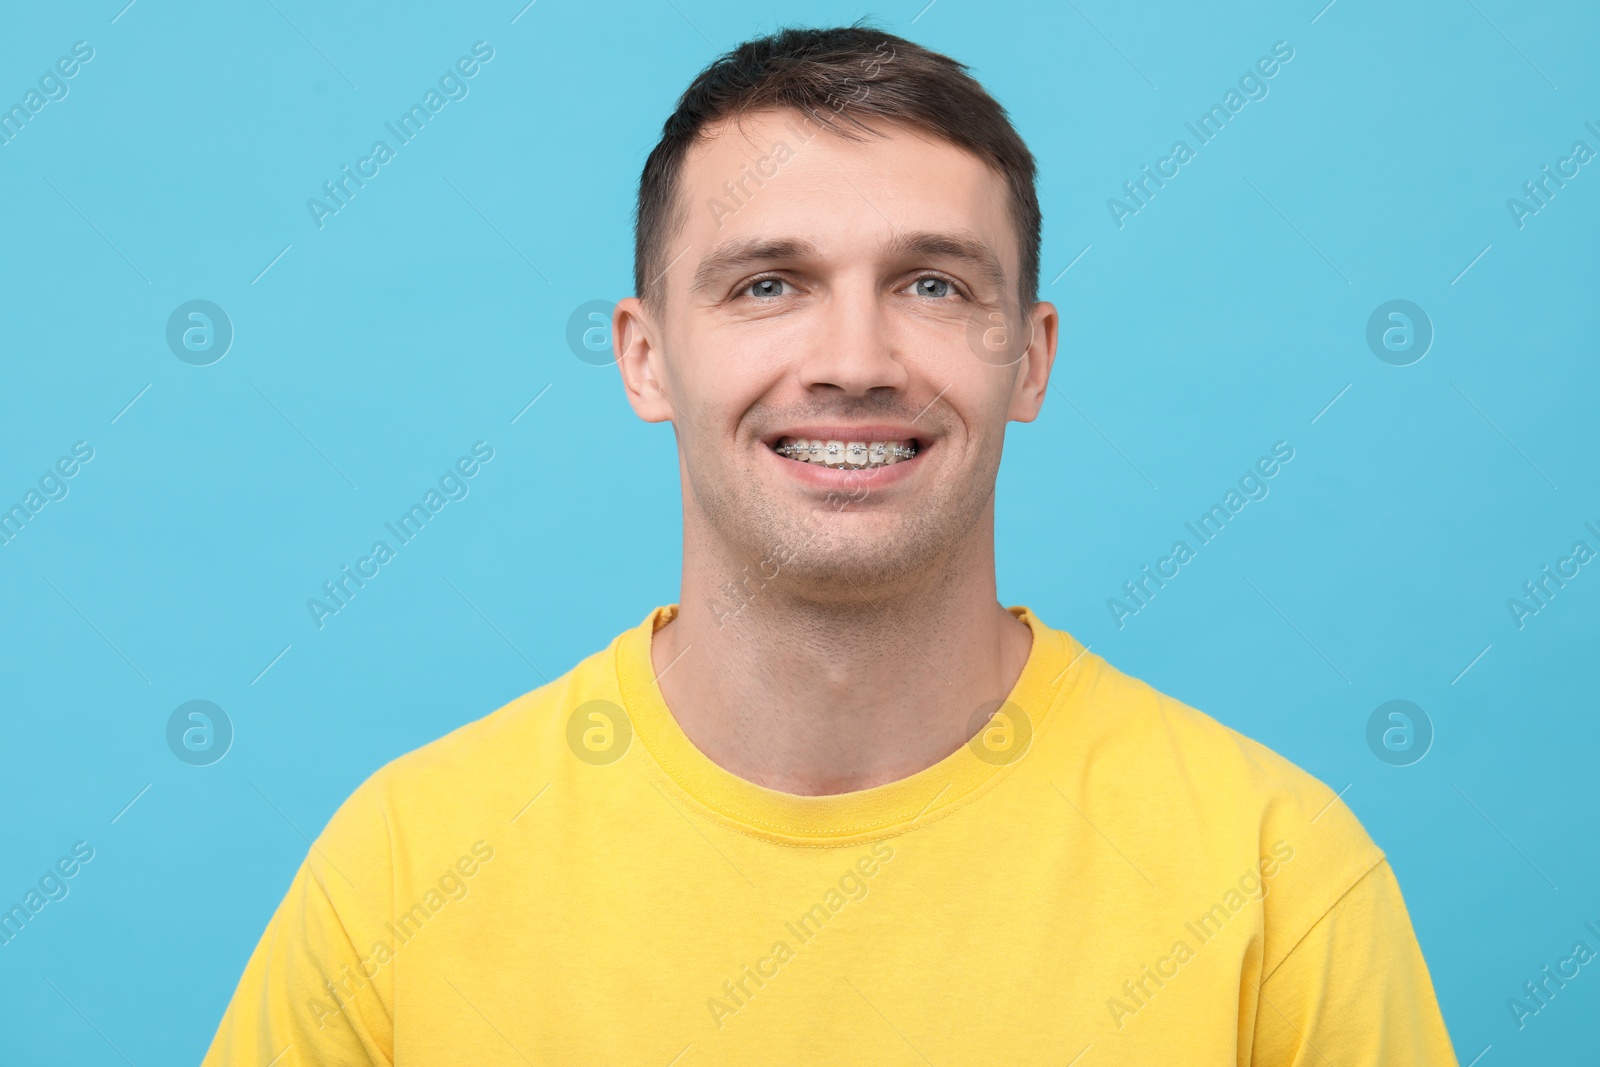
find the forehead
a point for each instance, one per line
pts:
(777, 174)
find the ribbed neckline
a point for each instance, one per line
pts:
(1052, 667)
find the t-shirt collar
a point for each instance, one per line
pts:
(843, 818)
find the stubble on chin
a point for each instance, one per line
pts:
(836, 551)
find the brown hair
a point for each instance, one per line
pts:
(822, 73)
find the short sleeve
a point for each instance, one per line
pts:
(1354, 991)
(310, 994)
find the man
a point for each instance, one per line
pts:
(838, 805)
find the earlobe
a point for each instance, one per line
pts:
(633, 339)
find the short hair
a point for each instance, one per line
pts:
(822, 73)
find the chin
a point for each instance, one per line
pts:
(845, 568)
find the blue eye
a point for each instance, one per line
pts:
(931, 286)
(765, 288)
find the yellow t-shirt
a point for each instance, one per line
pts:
(1102, 876)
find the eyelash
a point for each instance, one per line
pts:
(744, 287)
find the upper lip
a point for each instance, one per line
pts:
(837, 432)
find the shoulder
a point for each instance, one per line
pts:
(473, 782)
(1180, 748)
(1219, 803)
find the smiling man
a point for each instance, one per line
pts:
(838, 804)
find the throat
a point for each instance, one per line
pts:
(815, 705)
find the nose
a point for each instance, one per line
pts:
(854, 349)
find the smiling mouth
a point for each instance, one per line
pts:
(846, 455)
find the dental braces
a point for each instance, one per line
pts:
(877, 451)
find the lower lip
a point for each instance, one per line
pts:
(854, 481)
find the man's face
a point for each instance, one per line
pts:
(828, 290)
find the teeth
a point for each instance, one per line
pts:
(848, 455)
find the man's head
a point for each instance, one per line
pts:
(837, 239)
(845, 78)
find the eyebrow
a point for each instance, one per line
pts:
(962, 245)
(744, 252)
(748, 251)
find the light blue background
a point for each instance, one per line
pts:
(428, 313)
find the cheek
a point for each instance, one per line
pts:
(722, 375)
(974, 405)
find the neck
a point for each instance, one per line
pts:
(821, 696)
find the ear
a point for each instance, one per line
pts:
(1027, 395)
(635, 339)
